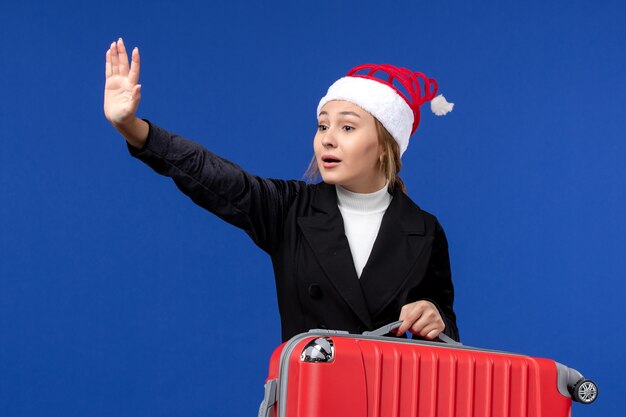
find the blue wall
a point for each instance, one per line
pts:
(120, 297)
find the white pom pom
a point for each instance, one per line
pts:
(440, 106)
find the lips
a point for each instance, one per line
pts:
(330, 161)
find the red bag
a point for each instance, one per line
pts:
(326, 373)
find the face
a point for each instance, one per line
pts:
(347, 149)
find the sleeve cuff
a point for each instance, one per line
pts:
(156, 142)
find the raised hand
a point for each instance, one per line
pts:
(121, 91)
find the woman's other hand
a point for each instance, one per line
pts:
(122, 94)
(421, 318)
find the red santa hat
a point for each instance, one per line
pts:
(392, 95)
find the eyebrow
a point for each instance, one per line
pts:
(343, 113)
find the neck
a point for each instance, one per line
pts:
(363, 202)
(369, 187)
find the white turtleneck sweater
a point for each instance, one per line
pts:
(362, 215)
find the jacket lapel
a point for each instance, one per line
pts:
(324, 231)
(398, 246)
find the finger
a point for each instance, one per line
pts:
(417, 327)
(122, 57)
(133, 75)
(409, 314)
(114, 62)
(433, 334)
(406, 325)
(426, 325)
(420, 325)
(107, 66)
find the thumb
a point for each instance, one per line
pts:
(136, 93)
(406, 324)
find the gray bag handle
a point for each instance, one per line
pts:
(392, 326)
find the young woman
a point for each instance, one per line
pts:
(350, 253)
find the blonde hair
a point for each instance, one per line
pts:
(389, 163)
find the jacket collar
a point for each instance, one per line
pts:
(397, 247)
(409, 215)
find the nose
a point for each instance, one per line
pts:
(328, 140)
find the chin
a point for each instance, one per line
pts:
(329, 179)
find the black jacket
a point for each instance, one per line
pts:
(299, 225)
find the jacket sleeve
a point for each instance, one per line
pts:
(438, 282)
(256, 205)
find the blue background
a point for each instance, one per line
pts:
(119, 297)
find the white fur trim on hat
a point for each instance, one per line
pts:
(378, 99)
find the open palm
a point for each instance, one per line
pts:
(121, 91)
